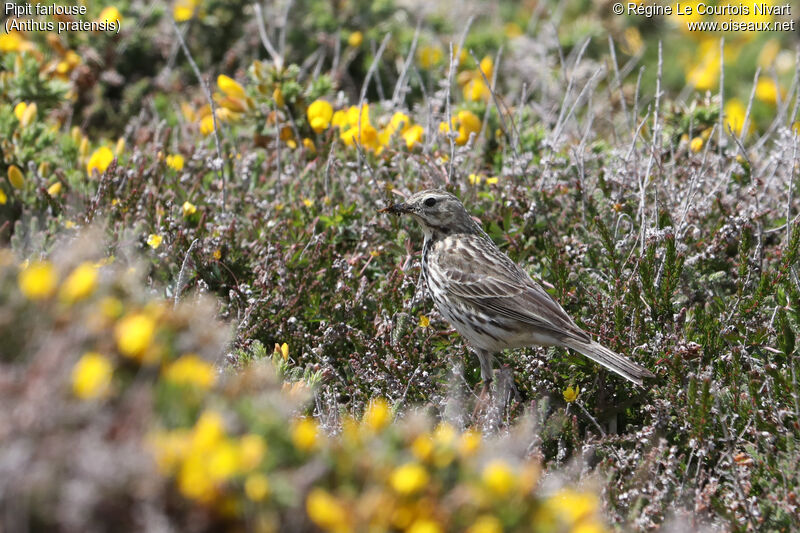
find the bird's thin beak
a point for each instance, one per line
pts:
(396, 209)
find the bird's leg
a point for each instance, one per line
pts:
(487, 376)
(486, 360)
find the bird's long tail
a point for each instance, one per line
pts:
(611, 360)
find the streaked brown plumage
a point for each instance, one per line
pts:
(487, 298)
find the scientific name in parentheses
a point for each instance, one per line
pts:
(757, 8)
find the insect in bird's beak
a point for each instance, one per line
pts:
(396, 209)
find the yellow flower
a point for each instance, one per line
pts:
(188, 209)
(492, 181)
(768, 54)
(15, 177)
(355, 39)
(767, 91)
(134, 333)
(55, 189)
(91, 376)
(476, 90)
(305, 434)
(498, 478)
(424, 321)
(572, 506)
(38, 280)
(734, 115)
(277, 95)
(208, 432)
(399, 122)
(413, 135)
(217, 255)
(409, 478)
(571, 394)
(422, 447)
(207, 125)
(429, 56)
(704, 75)
(3, 197)
(190, 370)
(696, 145)
(80, 284)
(308, 144)
(223, 461)
(325, 510)
(14, 42)
(424, 525)
(466, 122)
(486, 524)
(256, 487)
(378, 415)
(175, 162)
(319, 114)
(487, 67)
(100, 160)
(193, 479)
(230, 87)
(308, 202)
(469, 443)
(154, 240)
(283, 350)
(25, 113)
(109, 14)
(184, 10)
(251, 450)
(168, 448)
(339, 118)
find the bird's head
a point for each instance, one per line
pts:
(437, 211)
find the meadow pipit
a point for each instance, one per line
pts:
(487, 298)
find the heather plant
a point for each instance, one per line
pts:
(207, 324)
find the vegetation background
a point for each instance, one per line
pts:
(206, 325)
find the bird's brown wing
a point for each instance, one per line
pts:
(485, 278)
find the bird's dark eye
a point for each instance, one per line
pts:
(430, 202)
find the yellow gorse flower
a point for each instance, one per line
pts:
(100, 160)
(305, 434)
(409, 478)
(571, 394)
(191, 370)
(466, 123)
(355, 39)
(154, 240)
(91, 376)
(175, 162)
(109, 14)
(25, 113)
(282, 350)
(188, 209)
(326, 511)
(256, 487)
(319, 115)
(54, 189)
(38, 280)
(184, 10)
(696, 145)
(15, 177)
(230, 87)
(378, 415)
(498, 478)
(80, 284)
(134, 334)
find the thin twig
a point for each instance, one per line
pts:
(207, 91)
